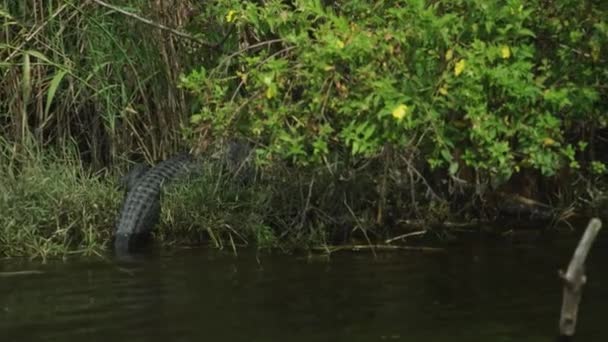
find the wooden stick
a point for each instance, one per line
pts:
(358, 248)
(574, 279)
(403, 236)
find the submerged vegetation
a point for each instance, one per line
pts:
(364, 115)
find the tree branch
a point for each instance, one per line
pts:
(178, 33)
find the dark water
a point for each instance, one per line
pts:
(477, 291)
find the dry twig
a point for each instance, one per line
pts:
(403, 236)
(374, 248)
(166, 28)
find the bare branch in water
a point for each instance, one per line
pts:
(574, 279)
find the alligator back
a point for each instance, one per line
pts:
(238, 158)
(141, 208)
(128, 181)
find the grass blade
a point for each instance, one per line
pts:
(50, 95)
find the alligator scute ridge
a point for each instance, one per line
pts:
(128, 181)
(141, 208)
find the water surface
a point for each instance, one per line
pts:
(476, 291)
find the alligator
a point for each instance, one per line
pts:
(238, 160)
(128, 181)
(140, 211)
(141, 208)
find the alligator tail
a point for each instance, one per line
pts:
(141, 208)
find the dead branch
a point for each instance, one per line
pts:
(425, 224)
(374, 248)
(403, 236)
(165, 28)
(574, 279)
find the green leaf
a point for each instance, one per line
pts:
(5, 14)
(526, 32)
(38, 55)
(196, 118)
(369, 131)
(453, 168)
(446, 155)
(50, 95)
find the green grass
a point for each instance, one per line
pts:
(212, 207)
(52, 207)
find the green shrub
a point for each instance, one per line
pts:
(506, 85)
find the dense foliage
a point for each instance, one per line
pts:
(498, 86)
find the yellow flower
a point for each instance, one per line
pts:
(400, 111)
(505, 52)
(459, 67)
(230, 16)
(449, 55)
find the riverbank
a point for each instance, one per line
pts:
(54, 206)
(362, 122)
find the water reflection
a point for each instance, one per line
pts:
(475, 292)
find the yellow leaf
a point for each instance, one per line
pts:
(443, 90)
(449, 55)
(267, 80)
(459, 67)
(271, 91)
(230, 16)
(400, 111)
(505, 52)
(242, 76)
(340, 44)
(548, 142)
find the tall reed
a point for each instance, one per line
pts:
(75, 71)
